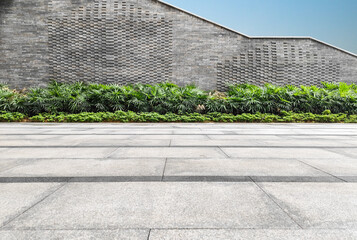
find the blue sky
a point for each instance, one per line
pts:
(331, 21)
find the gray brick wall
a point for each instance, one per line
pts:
(23, 42)
(129, 41)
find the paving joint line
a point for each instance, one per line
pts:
(34, 205)
(161, 229)
(236, 228)
(225, 154)
(343, 154)
(186, 146)
(109, 154)
(181, 134)
(321, 170)
(148, 238)
(151, 158)
(272, 199)
(164, 178)
(163, 172)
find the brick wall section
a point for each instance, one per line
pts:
(129, 41)
(287, 61)
(23, 42)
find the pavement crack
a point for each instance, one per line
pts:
(33, 205)
(321, 170)
(276, 203)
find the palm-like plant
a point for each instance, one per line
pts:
(169, 98)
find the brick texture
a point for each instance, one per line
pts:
(131, 41)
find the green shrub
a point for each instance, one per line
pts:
(337, 98)
(11, 117)
(121, 116)
(168, 98)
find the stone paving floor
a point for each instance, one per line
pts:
(178, 181)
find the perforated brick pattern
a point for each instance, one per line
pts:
(129, 41)
(279, 64)
(110, 42)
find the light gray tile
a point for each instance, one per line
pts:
(337, 167)
(186, 131)
(109, 131)
(155, 205)
(317, 137)
(329, 131)
(174, 137)
(284, 153)
(235, 234)
(29, 137)
(12, 131)
(349, 152)
(6, 164)
(92, 137)
(243, 137)
(160, 152)
(16, 198)
(213, 143)
(317, 205)
(119, 234)
(38, 143)
(22, 153)
(87, 167)
(265, 131)
(123, 143)
(307, 143)
(238, 167)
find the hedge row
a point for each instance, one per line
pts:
(121, 116)
(169, 98)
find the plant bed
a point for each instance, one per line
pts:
(167, 98)
(124, 117)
